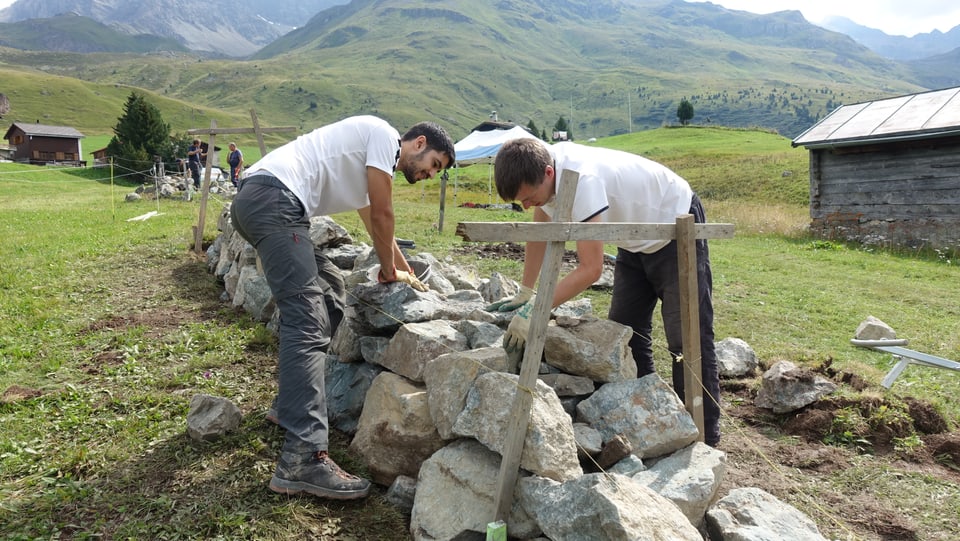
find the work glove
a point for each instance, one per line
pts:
(405, 277)
(516, 336)
(526, 295)
(411, 280)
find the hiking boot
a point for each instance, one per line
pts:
(317, 474)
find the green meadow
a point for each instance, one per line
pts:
(109, 326)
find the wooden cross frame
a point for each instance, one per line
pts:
(205, 189)
(556, 234)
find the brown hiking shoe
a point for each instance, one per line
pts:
(317, 474)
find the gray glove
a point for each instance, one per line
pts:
(516, 336)
(526, 295)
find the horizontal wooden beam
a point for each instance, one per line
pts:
(574, 231)
(227, 131)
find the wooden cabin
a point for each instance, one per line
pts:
(887, 172)
(100, 158)
(40, 144)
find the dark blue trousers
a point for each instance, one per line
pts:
(640, 281)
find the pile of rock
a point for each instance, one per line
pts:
(180, 187)
(421, 382)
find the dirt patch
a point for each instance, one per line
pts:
(17, 393)
(504, 250)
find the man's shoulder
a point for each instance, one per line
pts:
(374, 125)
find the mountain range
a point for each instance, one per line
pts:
(234, 28)
(606, 66)
(240, 28)
(919, 46)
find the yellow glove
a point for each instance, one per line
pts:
(525, 295)
(516, 336)
(410, 279)
(403, 276)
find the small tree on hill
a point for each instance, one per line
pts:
(140, 134)
(685, 111)
(532, 128)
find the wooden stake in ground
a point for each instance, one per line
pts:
(530, 367)
(556, 234)
(212, 132)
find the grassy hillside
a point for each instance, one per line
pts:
(606, 67)
(725, 164)
(94, 108)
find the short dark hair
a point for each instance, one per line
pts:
(520, 161)
(437, 139)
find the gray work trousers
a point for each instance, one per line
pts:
(310, 294)
(640, 280)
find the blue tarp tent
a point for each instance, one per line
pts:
(482, 146)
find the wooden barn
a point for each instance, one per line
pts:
(100, 158)
(887, 172)
(41, 145)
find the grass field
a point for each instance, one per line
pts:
(110, 326)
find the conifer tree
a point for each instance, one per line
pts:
(685, 111)
(140, 135)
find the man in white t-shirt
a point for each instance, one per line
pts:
(347, 165)
(614, 186)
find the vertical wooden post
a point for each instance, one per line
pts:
(212, 132)
(690, 319)
(256, 130)
(443, 199)
(205, 193)
(530, 367)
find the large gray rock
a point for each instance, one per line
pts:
(326, 233)
(380, 309)
(689, 478)
(460, 277)
(415, 344)
(346, 386)
(549, 447)
(211, 417)
(345, 342)
(449, 377)
(786, 387)
(735, 358)
(455, 494)
(498, 287)
(395, 433)
(645, 411)
(874, 329)
(609, 506)
(751, 514)
(597, 349)
(253, 293)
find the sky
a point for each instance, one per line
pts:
(895, 17)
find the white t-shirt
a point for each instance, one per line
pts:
(327, 168)
(621, 187)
